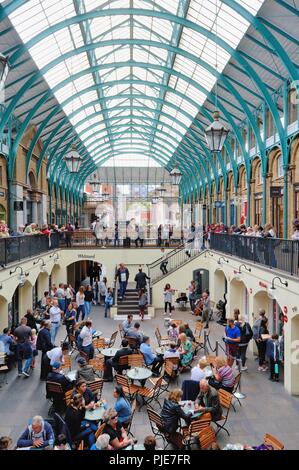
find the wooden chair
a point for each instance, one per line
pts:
(99, 343)
(236, 386)
(123, 363)
(206, 437)
(54, 392)
(73, 344)
(135, 360)
(273, 441)
(225, 399)
(133, 343)
(100, 430)
(96, 387)
(97, 364)
(121, 330)
(167, 374)
(84, 355)
(196, 425)
(129, 389)
(156, 425)
(81, 446)
(128, 424)
(67, 363)
(177, 322)
(149, 395)
(3, 367)
(110, 342)
(211, 360)
(68, 397)
(162, 340)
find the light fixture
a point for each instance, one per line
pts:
(55, 257)
(216, 134)
(272, 290)
(161, 190)
(22, 275)
(176, 176)
(221, 257)
(73, 160)
(208, 252)
(243, 266)
(43, 265)
(4, 69)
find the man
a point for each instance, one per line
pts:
(232, 338)
(38, 434)
(114, 361)
(207, 401)
(6, 343)
(55, 317)
(85, 371)
(22, 335)
(141, 235)
(206, 308)
(44, 345)
(257, 326)
(55, 355)
(116, 235)
(135, 333)
(69, 234)
(151, 359)
(61, 296)
(164, 262)
(127, 324)
(86, 336)
(122, 274)
(57, 376)
(140, 279)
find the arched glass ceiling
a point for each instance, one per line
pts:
(132, 76)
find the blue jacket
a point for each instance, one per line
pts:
(273, 350)
(149, 357)
(26, 438)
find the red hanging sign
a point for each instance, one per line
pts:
(285, 319)
(285, 309)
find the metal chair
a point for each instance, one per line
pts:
(128, 424)
(162, 340)
(67, 364)
(135, 360)
(236, 386)
(110, 342)
(54, 392)
(157, 425)
(99, 343)
(97, 364)
(100, 430)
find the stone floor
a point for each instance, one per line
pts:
(266, 408)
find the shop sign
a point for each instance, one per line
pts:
(275, 191)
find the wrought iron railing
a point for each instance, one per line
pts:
(13, 249)
(275, 253)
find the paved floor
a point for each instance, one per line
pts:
(267, 407)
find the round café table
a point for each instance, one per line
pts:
(188, 408)
(109, 352)
(71, 375)
(97, 334)
(161, 350)
(139, 373)
(96, 414)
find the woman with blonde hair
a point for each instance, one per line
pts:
(185, 350)
(80, 301)
(171, 414)
(223, 376)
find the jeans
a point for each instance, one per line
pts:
(107, 309)
(163, 267)
(87, 434)
(242, 354)
(89, 350)
(261, 346)
(81, 308)
(61, 303)
(87, 306)
(53, 332)
(192, 302)
(169, 305)
(122, 288)
(116, 241)
(24, 351)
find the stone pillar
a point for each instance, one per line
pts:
(34, 212)
(25, 298)
(44, 206)
(17, 196)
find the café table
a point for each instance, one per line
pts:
(188, 408)
(139, 373)
(109, 352)
(208, 372)
(96, 414)
(71, 375)
(97, 334)
(161, 350)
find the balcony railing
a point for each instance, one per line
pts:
(13, 249)
(275, 253)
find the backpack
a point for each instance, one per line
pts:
(79, 340)
(248, 332)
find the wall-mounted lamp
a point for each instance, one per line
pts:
(221, 257)
(272, 289)
(21, 276)
(243, 266)
(55, 257)
(43, 265)
(208, 252)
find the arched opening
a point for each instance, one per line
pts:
(84, 272)
(293, 364)
(220, 285)
(238, 298)
(4, 321)
(2, 213)
(14, 309)
(201, 278)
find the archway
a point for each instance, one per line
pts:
(25, 297)
(4, 322)
(219, 285)
(238, 298)
(84, 272)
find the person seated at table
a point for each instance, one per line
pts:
(207, 401)
(61, 443)
(135, 333)
(56, 375)
(78, 427)
(38, 434)
(149, 358)
(86, 337)
(118, 437)
(54, 355)
(127, 324)
(185, 350)
(86, 394)
(85, 371)
(223, 376)
(113, 362)
(171, 414)
(198, 373)
(188, 332)
(102, 443)
(122, 405)
(172, 352)
(173, 332)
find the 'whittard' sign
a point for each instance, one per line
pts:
(86, 256)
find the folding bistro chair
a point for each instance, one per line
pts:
(167, 375)
(96, 387)
(206, 437)
(54, 392)
(67, 364)
(99, 343)
(225, 399)
(150, 395)
(135, 360)
(192, 431)
(235, 389)
(270, 440)
(162, 340)
(100, 430)
(127, 425)
(157, 425)
(129, 389)
(97, 364)
(110, 342)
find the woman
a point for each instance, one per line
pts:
(88, 399)
(78, 427)
(173, 333)
(185, 350)
(70, 318)
(118, 438)
(95, 288)
(102, 290)
(168, 294)
(192, 294)
(31, 321)
(246, 335)
(122, 406)
(236, 315)
(80, 297)
(88, 299)
(223, 376)
(171, 414)
(68, 294)
(142, 303)
(108, 301)
(188, 332)
(262, 345)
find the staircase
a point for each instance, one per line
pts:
(129, 304)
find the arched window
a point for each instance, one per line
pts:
(2, 213)
(279, 161)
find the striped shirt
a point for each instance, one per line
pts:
(227, 376)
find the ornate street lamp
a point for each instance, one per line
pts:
(73, 160)
(176, 176)
(4, 69)
(105, 196)
(216, 134)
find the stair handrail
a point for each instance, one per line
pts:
(115, 287)
(170, 253)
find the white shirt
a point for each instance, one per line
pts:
(86, 335)
(55, 355)
(80, 299)
(197, 374)
(55, 315)
(169, 354)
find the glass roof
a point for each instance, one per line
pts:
(136, 87)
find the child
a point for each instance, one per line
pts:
(33, 345)
(108, 301)
(272, 351)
